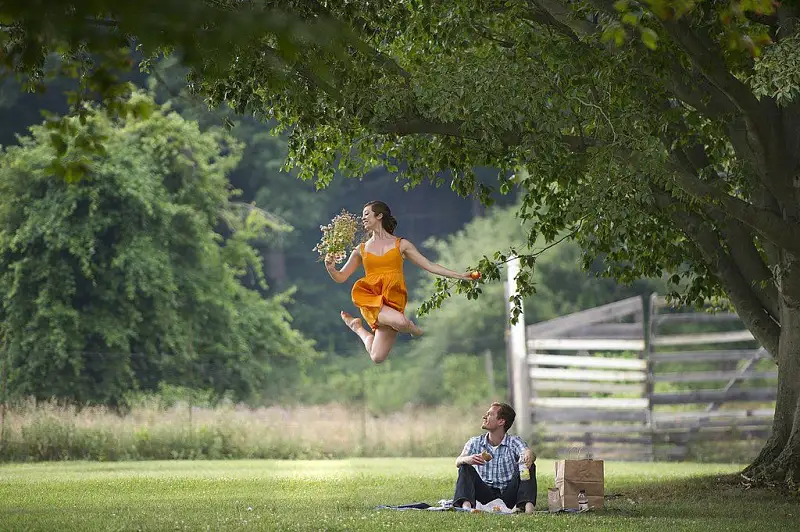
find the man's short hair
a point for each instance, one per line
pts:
(506, 413)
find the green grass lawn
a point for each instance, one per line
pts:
(342, 495)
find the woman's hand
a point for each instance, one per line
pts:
(350, 266)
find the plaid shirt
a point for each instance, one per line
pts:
(498, 471)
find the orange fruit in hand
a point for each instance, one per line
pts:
(474, 275)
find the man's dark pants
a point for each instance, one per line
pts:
(470, 486)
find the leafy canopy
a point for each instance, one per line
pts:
(660, 135)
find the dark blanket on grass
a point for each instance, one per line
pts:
(495, 506)
(447, 505)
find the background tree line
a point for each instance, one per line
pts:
(122, 294)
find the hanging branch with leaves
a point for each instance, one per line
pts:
(489, 270)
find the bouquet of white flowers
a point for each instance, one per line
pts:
(339, 237)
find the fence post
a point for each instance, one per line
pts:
(517, 353)
(650, 318)
(509, 354)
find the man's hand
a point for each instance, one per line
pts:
(471, 459)
(528, 458)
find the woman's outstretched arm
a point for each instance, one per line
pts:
(410, 252)
(349, 268)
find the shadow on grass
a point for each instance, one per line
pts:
(701, 497)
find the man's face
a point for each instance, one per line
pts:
(490, 420)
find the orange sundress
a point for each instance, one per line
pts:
(382, 284)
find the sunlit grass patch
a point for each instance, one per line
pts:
(343, 495)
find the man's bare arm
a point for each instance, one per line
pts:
(460, 459)
(469, 459)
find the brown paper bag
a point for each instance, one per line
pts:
(554, 500)
(575, 475)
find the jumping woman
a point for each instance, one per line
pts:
(381, 294)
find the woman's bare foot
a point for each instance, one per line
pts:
(352, 322)
(415, 330)
(357, 327)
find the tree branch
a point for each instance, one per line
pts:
(486, 33)
(763, 199)
(379, 57)
(695, 158)
(760, 116)
(738, 135)
(306, 73)
(421, 126)
(704, 96)
(788, 18)
(557, 16)
(697, 92)
(781, 232)
(748, 260)
(748, 306)
(767, 20)
(701, 50)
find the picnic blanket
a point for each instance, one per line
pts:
(496, 506)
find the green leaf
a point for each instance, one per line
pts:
(59, 143)
(630, 19)
(649, 38)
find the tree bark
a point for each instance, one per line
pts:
(783, 420)
(779, 460)
(785, 469)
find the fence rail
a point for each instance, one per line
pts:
(706, 376)
(539, 359)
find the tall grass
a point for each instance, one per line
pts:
(48, 431)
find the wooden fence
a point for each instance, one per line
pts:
(637, 380)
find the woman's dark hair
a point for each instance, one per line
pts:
(388, 221)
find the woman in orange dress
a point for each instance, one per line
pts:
(381, 294)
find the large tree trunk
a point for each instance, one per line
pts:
(784, 424)
(785, 469)
(779, 460)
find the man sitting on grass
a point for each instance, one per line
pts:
(488, 467)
